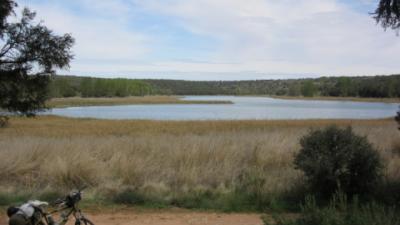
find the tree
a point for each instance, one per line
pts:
(6, 7)
(86, 87)
(398, 118)
(294, 89)
(388, 14)
(344, 87)
(65, 89)
(29, 55)
(308, 89)
(335, 159)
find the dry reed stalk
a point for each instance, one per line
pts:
(158, 157)
(78, 101)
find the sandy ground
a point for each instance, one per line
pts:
(169, 217)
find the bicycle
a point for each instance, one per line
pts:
(66, 207)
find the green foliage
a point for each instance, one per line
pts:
(389, 193)
(196, 199)
(335, 159)
(234, 201)
(250, 188)
(86, 87)
(135, 198)
(29, 54)
(308, 89)
(6, 8)
(129, 197)
(340, 212)
(398, 118)
(294, 90)
(7, 199)
(50, 196)
(344, 88)
(23, 93)
(388, 14)
(248, 194)
(64, 86)
(379, 86)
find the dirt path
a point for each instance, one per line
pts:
(168, 218)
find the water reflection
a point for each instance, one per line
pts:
(243, 108)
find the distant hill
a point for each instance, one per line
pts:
(377, 86)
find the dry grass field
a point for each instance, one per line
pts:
(132, 100)
(165, 159)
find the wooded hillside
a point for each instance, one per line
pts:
(378, 86)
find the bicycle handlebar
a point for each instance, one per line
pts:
(72, 198)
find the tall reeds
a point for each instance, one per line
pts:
(165, 160)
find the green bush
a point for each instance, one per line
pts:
(50, 196)
(238, 200)
(129, 197)
(7, 199)
(389, 193)
(398, 118)
(234, 201)
(3, 121)
(339, 212)
(335, 159)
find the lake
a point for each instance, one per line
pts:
(243, 108)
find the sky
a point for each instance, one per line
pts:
(221, 39)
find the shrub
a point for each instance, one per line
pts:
(7, 199)
(50, 196)
(3, 121)
(129, 197)
(339, 212)
(398, 118)
(335, 159)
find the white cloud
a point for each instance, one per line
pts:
(326, 37)
(112, 8)
(98, 38)
(247, 70)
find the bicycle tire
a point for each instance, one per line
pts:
(86, 221)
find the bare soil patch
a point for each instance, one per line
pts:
(169, 217)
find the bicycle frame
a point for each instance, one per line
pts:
(76, 212)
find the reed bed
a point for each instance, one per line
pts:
(132, 100)
(166, 159)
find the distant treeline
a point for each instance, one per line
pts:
(70, 86)
(373, 87)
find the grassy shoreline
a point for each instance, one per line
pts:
(78, 101)
(217, 165)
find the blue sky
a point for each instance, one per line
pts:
(222, 39)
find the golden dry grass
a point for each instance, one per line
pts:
(160, 157)
(78, 101)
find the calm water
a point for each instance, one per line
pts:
(242, 109)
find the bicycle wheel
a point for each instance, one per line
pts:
(85, 221)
